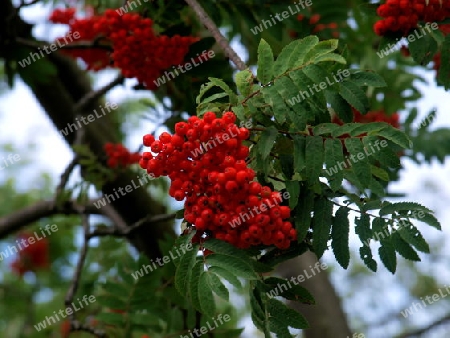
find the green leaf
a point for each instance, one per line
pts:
(265, 62)
(333, 158)
(413, 236)
(339, 236)
(116, 319)
(115, 289)
(231, 278)
(428, 219)
(314, 158)
(403, 248)
(221, 84)
(267, 141)
(235, 265)
(387, 255)
(360, 163)
(398, 137)
(391, 208)
(213, 98)
(444, 69)
(194, 280)
(362, 228)
(365, 78)
(372, 127)
(258, 313)
(145, 319)
(186, 263)
(285, 316)
(302, 48)
(276, 102)
(111, 302)
(289, 290)
(299, 153)
(303, 213)
(331, 57)
(206, 296)
(366, 255)
(244, 82)
(282, 62)
(293, 188)
(323, 209)
(354, 95)
(342, 109)
(277, 256)
(216, 285)
(224, 248)
(321, 49)
(423, 48)
(324, 128)
(316, 73)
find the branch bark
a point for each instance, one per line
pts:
(326, 318)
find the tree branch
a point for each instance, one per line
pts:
(16, 220)
(419, 332)
(112, 231)
(94, 95)
(75, 325)
(221, 40)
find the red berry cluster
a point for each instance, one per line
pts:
(137, 51)
(402, 16)
(64, 16)
(119, 156)
(205, 160)
(373, 116)
(318, 27)
(32, 257)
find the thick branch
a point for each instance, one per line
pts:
(21, 218)
(215, 32)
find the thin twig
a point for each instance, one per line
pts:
(420, 332)
(76, 277)
(76, 45)
(111, 231)
(221, 40)
(32, 213)
(75, 325)
(90, 97)
(65, 176)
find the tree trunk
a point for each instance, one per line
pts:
(326, 318)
